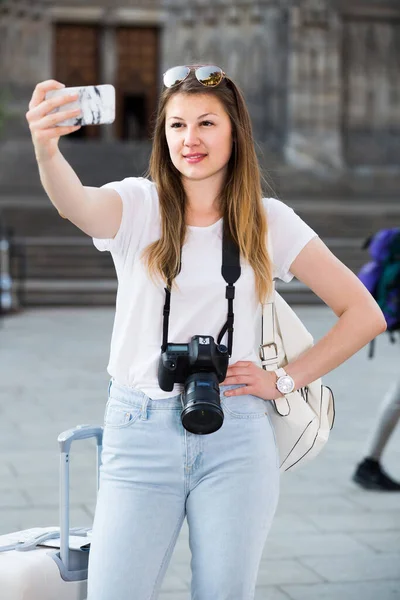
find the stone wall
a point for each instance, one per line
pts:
(25, 47)
(248, 41)
(311, 97)
(108, 4)
(314, 84)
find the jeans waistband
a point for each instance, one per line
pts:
(136, 397)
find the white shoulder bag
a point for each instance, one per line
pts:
(302, 419)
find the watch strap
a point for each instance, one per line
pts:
(280, 372)
(268, 349)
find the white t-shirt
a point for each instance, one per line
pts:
(199, 306)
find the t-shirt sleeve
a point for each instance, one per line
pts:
(136, 203)
(288, 234)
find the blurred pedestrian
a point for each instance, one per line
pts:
(381, 277)
(369, 474)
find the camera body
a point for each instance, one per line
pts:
(200, 355)
(200, 365)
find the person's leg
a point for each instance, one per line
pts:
(369, 473)
(141, 502)
(233, 494)
(388, 417)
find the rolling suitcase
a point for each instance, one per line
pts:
(50, 563)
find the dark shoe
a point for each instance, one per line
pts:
(370, 475)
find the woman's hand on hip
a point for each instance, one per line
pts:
(256, 380)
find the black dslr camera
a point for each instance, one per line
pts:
(200, 365)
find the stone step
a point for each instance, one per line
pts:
(97, 162)
(74, 292)
(83, 260)
(70, 271)
(64, 258)
(69, 292)
(333, 217)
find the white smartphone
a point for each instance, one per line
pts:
(97, 103)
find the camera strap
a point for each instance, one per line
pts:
(230, 272)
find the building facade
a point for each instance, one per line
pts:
(321, 77)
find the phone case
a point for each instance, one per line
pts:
(97, 103)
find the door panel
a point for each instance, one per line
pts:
(76, 61)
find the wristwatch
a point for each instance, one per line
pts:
(284, 383)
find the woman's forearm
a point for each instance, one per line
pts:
(354, 329)
(64, 188)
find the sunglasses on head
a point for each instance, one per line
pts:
(207, 75)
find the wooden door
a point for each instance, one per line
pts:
(137, 82)
(76, 61)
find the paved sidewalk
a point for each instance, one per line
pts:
(330, 540)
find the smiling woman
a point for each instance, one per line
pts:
(196, 131)
(203, 141)
(199, 138)
(192, 246)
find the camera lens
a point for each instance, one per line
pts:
(202, 411)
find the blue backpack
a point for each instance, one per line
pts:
(381, 277)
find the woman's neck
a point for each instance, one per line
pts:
(202, 198)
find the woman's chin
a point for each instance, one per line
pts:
(198, 174)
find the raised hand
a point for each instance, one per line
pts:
(43, 125)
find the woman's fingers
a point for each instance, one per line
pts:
(41, 89)
(47, 106)
(237, 379)
(51, 120)
(242, 372)
(240, 368)
(55, 132)
(40, 115)
(238, 375)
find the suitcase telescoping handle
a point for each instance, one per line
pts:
(65, 439)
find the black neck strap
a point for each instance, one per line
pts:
(230, 272)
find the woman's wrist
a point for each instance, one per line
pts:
(272, 392)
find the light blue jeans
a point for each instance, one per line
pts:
(155, 473)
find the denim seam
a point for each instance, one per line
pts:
(258, 415)
(186, 470)
(278, 460)
(134, 411)
(144, 410)
(167, 553)
(124, 425)
(140, 406)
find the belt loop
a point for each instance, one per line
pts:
(109, 387)
(144, 415)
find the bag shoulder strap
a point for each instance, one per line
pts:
(268, 348)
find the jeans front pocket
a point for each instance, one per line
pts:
(244, 407)
(119, 414)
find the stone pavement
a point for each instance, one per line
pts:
(330, 540)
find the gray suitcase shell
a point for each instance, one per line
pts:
(30, 571)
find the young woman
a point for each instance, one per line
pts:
(165, 234)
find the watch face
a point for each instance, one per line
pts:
(285, 384)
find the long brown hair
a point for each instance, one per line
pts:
(240, 198)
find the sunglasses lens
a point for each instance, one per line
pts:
(175, 75)
(209, 75)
